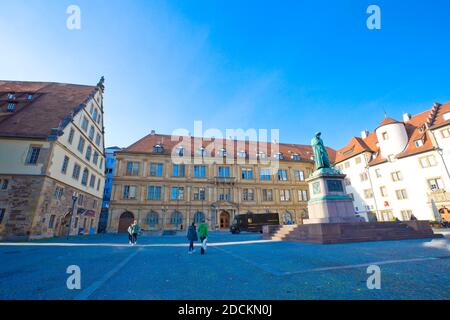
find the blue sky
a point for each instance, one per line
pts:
(297, 66)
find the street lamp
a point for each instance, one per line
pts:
(74, 200)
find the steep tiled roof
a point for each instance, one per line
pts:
(146, 144)
(417, 128)
(49, 106)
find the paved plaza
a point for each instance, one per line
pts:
(235, 267)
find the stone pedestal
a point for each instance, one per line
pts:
(329, 202)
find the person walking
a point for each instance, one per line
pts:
(203, 234)
(130, 234)
(192, 236)
(135, 228)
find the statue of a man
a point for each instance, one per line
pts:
(320, 153)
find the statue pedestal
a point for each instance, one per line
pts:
(329, 202)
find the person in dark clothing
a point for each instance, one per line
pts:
(192, 236)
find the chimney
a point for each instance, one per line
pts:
(153, 132)
(364, 134)
(406, 117)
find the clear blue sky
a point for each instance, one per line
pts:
(298, 66)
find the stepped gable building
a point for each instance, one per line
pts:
(51, 146)
(401, 168)
(167, 182)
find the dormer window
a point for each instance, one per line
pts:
(278, 156)
(418, 143)
(223, 152)
(11, 96)
(180, 151)
(29, 96)
(446, 116)
(261, 155)
(11, 107)
(201, 151)
(242, 154)
(296, 157)
(158, 149)
(385, 136)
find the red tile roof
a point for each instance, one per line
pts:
(146, 144)
(51, 106)
(417, 128)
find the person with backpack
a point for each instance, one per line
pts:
(203, 234)
(192, 236)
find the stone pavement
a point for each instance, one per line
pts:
(235, 267)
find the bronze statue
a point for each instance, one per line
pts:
(320, 153)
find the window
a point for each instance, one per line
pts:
(264, 174)
(199, 171)
(396, 176)
(242, 154)
(202, 152)
(363, 176)
(180, 151)
(92, 181)
(81, 145)
(29, 96)
(2, 214)
(177, 193)
(179, 170)
(303, 195)
(33, 155)
(98, 184)
(368, 194)
(435, 184)
(406, 214)
(91, 109)
(98, 119)
(199, 217)
(299, 175)
(267, 195)
(158, 149)
(199, 194)
(4, 184)
(88, 153)
(101, 163)
(129, 192)
(71, 134)
(176, 218)
(76, 171)
(84, 124)
(445, 133)
(91, 133)
(224, 171)
(154, 193)
(65, 165)
(418, 143)
(247, 173)
(81, 200)
(156, 169)
(385, 135)
(224, 194)
(152, 219)
(383, 191)
(378, 173)
(358, 160)
(51, 222)
(97, 139)
(132, 168)
(278, 156)
(249, 195)
(94, 114)
(84, 177)
(401, 194)
(282, 175)
(446, 116)
(261, 155)
(11, 107)
(296, 157)
(428, 161)
(76, 222)
(59, 192)
(95, 158)
(285, 195)
(11, 96)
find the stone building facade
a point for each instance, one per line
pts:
(166, 182)
(51, 147)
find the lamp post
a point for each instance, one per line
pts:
(74, 200)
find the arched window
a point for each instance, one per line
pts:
(152, 219)
(158, 148)
(199, 217)
(180, 151)
(288, 218)
(176, 218)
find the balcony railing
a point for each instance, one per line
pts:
(226, 180)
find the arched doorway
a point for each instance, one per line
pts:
(126, 219)
(64, 225)
(224, 219)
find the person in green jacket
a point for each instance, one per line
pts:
(203, 235)
(135, 228)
